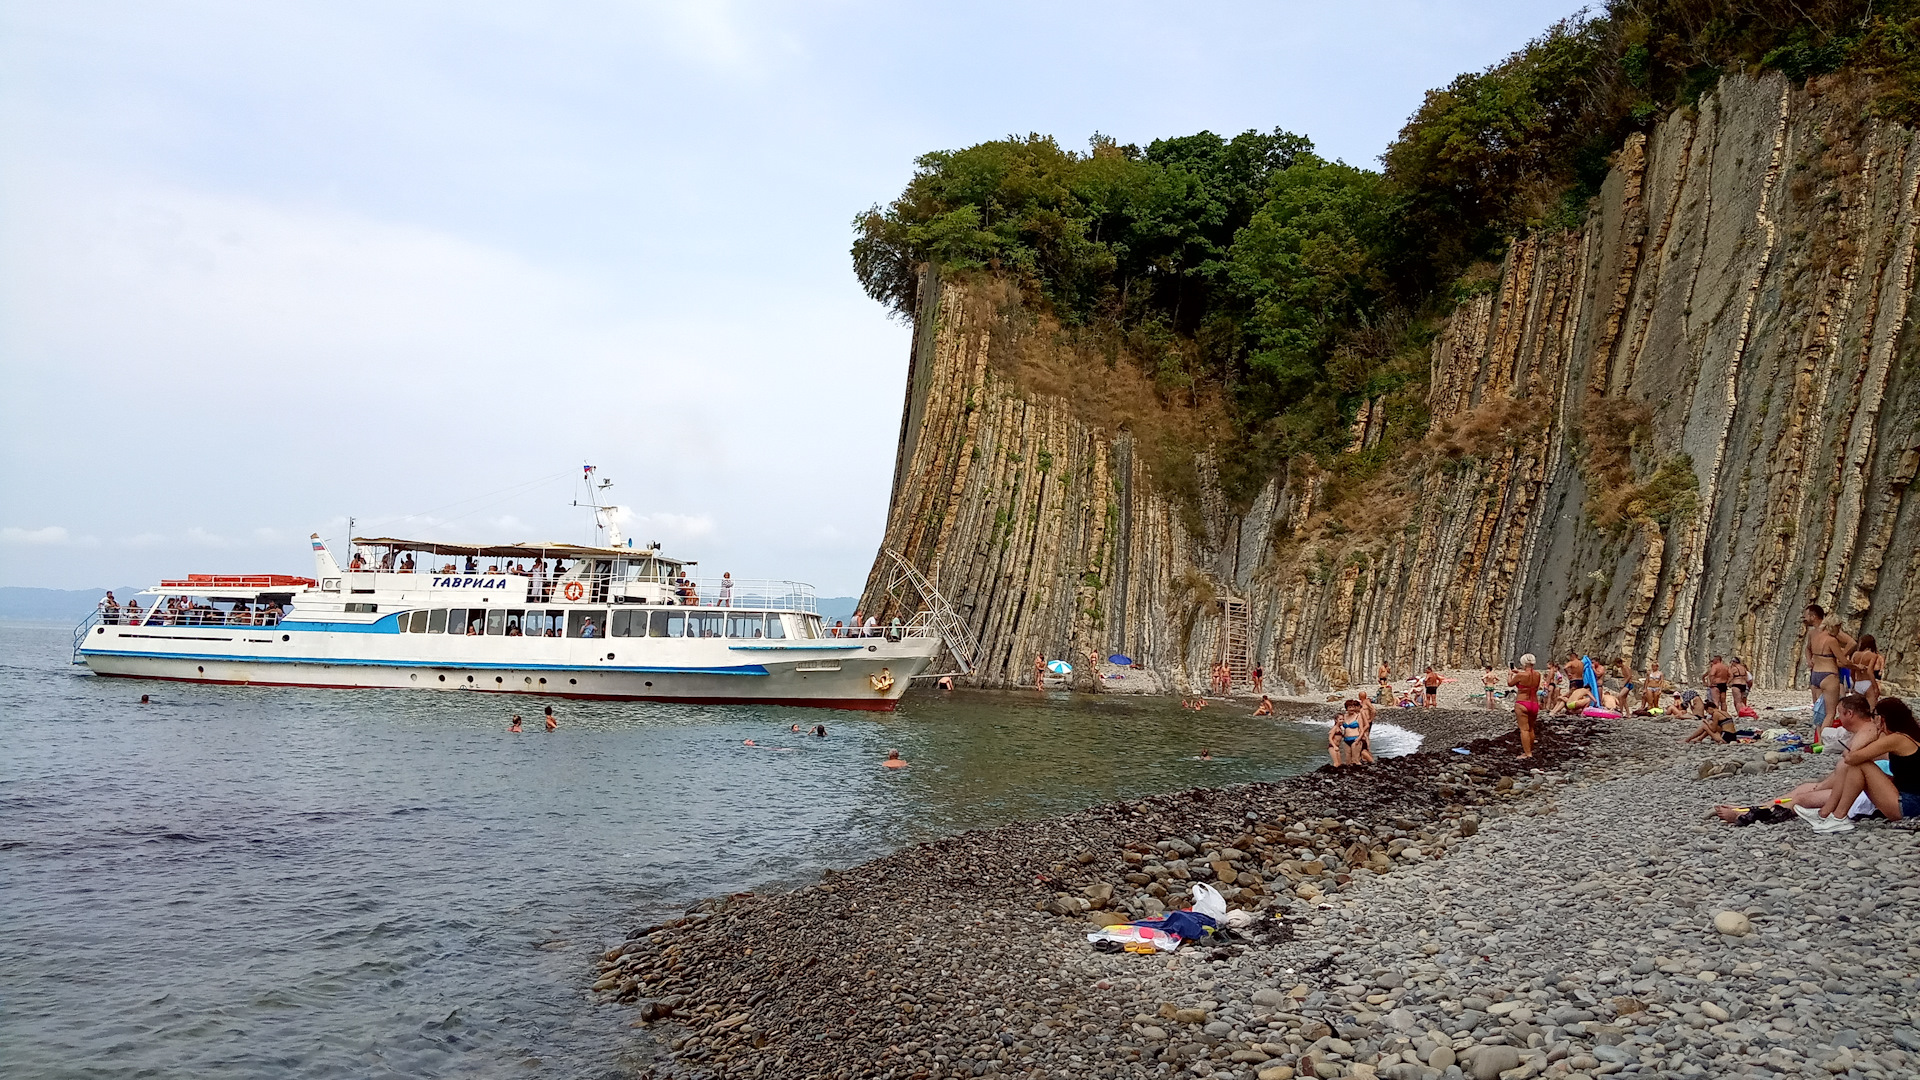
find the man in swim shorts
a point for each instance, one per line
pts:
(1525, 681)
(1431, 680)
(1720, 678)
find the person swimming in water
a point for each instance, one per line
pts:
(144, 701)
(1206, 755)
(515, 726)
(820, 730)
(894, 760)
(945, 683)
(553, 722)
(795, 729)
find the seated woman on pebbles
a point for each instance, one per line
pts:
(1716, 724)
(1809, 798)
(1893, 790)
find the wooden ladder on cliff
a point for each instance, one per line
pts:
(938, 615)
(1236, 640)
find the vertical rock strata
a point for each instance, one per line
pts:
(1733, 321)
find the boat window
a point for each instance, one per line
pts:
(496, 622)
(707, 624)
(667, 624)
(476, 621)
(417, 622)
(457, 620)
(516, 620)
(586, 624)
(746, 624)
(776, 626)
(556, 622)
(629, 624)
(437, 621)
(363, 609)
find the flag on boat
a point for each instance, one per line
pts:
(1059, 667)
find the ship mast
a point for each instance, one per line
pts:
(603, 514)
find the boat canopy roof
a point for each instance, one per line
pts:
(524, 549)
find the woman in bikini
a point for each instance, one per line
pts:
(1344, 735)
(1526, 701)
(1825, 645)
(1869, 667)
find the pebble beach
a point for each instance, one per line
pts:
(1439, 915)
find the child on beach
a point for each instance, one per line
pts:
(1491, 683)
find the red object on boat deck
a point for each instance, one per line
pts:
(236, 581)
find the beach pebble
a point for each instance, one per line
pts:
(1732, 923)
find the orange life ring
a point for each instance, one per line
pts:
(574, 590)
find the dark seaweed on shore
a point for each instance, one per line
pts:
(928, 962)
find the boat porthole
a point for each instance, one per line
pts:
(873, 648)
(469, 678)
(202, 671)
(414, 677)
(498, 679)
(99, 629)
(443, 678)
(286, 637)
(609, 656)
(649, 684)
(543, 681)
(529, 680)
(575, 682)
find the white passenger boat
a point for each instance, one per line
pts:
(543, 619)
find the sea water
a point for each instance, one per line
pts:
(239, 882)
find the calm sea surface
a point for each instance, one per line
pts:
(232, 882)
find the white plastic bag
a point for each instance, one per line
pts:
(1208, 901)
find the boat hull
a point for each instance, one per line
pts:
(815, 674)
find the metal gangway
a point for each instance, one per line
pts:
(937, 615)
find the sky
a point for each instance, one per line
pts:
(268, 267)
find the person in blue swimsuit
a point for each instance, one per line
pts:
(1347, 739)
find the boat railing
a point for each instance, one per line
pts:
(190, 616)
(80, 634)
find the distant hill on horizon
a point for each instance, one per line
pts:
(22, 604)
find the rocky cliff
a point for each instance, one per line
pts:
(1658, 435)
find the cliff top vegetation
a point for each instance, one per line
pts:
(1293, 288)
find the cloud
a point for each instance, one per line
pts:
(143, 540)
(681, 528)
(43, 537)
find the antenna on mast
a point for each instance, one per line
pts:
(603, 513)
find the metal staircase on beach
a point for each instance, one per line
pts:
(937, 615)
(1236, 640)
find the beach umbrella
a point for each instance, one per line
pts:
(1059, 667)
(1118, 660)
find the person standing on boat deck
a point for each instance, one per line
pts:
(873, 626)
(853, 626)
(726, 590)
(110, 610)
(473, 564)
